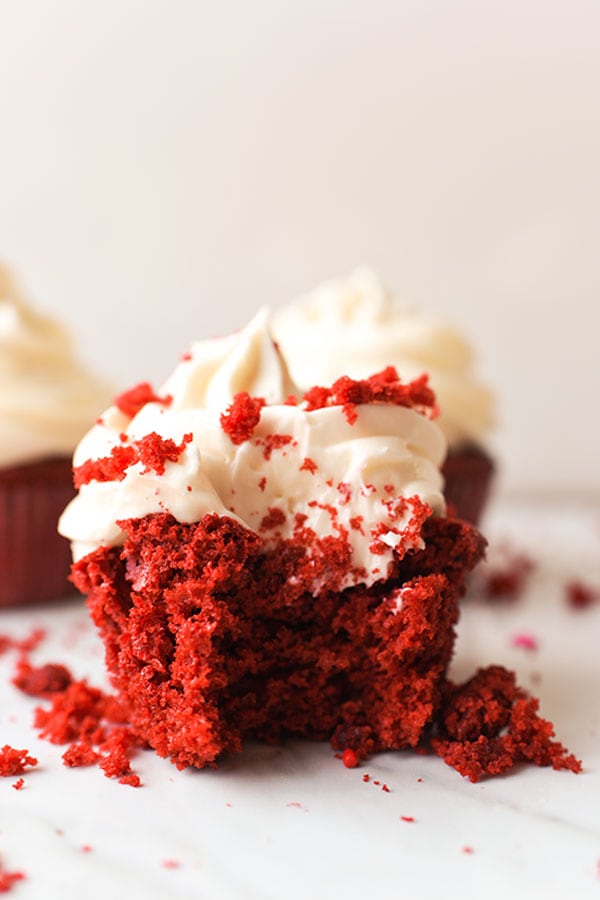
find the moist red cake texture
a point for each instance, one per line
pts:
(210, 638)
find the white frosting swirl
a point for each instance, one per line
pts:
(356, 327)
(345, 479)
(47, 399)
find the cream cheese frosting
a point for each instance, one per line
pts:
(47, 398)
(366, 480)
(356, 327)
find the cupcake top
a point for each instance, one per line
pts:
(47, 398)
(355, 327)
(355, 465)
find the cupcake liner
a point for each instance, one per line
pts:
(34, 559)
(468, 474)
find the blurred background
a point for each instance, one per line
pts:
(166, 166)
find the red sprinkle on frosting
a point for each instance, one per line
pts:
(308, 465)
(152, 450)
(130, 402)
(383, 387)
(242, 417)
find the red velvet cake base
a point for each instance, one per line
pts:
(210, 639)
(468, 475)
(34, 559)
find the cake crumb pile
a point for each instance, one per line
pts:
(489, 724)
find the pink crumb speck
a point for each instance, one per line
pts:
(407, 818)
(170, 863)
(19, 784)
(468, 850)
(525, 641)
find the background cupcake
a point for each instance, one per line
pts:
(356, 327)
(47, 401)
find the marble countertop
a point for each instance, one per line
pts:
(291, 822)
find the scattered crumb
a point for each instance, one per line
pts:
(86, 848)
(525, 641)
(468, 850)
(366, 777)
(8, 879)
(14, 762)
(350, 758)
(19, 784)
(506, 580)
(407, 818)
(170, 864)
(580, 595)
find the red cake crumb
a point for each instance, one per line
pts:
(130, 402)
(242, 417)
(489, 724)
(385, 788)
(508, 582)
(525, 641)
(42, 681)
(350, 759)
(170, 863)
(14, 762)
(8, 879)
(468, 850)
(580, 595)
(152, 450)
(92, 723)
(19, 784)
(86, 848)
(407, 818)
(273, 518)
(383, 387)
(366, 777)
(273, 442)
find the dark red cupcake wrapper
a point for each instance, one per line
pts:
(34, 559)
(468, 474)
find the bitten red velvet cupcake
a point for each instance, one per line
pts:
(355, 327)
(263, 564)
(47, 401)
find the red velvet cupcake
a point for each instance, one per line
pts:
(46, 402)
(261, 564)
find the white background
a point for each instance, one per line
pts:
(165, 167)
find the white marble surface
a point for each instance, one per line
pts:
(292, 822)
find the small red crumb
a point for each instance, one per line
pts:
(376, 782)
(229, 805)
(99, 421)
(420, 780)
(308, 465)
(385, 788)
(86, 848)
(407, 818)
(42, 681)
(186, 357)
(170, 863)
(366, 777)
(242, 417)
(525, 641)
(580, 595)
(7, 879)
(350, 758)
(291, 400)
(273, 442)
(130, 402)
(262, 483)
(18, 785)
(14, 762)
(468, 850)
(345, 492)
(273, 518)
(189, 488)
(295, 805)
(507, 582)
